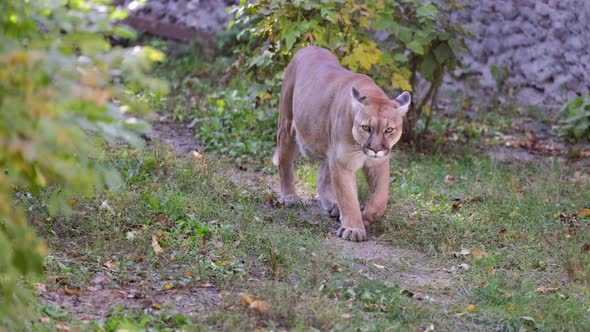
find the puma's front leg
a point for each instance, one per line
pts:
(345, 190)
(377, 174)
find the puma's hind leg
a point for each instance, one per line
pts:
(287, 150)
(326, 192)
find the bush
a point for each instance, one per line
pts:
(576, 123)
(416, 37)
(60, 81)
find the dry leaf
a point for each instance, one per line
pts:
(188, 274)
(457, 203)
(197, 155)
(379, 266)
(110, 265)
(346, 316)
(40, 288)
(545, 290)
(259, 306)
(62, 327)
(45, 319)
(449, 179)
(246, 299)
(503, 232)
(168, 285)
(465, 252)
(478, 253)
(72, 292)
(157, 249)
(585, 247)
(511, 308)
(584, 213)
(71, 202)
(470, 307)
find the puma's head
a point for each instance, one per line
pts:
(378, 122)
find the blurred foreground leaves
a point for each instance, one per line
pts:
(63, 89)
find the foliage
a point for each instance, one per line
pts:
(576, 124)
(236, 126)
(393, 41)
(60, 80)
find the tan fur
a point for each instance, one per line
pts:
(322, 110)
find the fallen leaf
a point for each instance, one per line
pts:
(450, 180)
(62, 327)
(584, 213)
(470, 307)
(465, 252)
(91, 288)
(246, 299)
(503, 232)
(40, 288)
(157, 249)
(259, 306)
(188, 274)
(546, 290)
(72, 291)
(457, 203)
(168, 285)
(379, 266)
(585, 247)
(491, 270)
(71, 202)
(197, 155)
(346, 315)
(511, 308)
(478, 253)
(110, 265)
(45, 319)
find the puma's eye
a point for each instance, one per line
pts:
(389, 130)
(366, 128)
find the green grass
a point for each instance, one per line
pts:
(223, 230)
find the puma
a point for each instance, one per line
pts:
(344, 120)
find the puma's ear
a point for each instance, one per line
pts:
(404, 101)
(358, 98)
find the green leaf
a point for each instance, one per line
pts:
(428, 11)
(405, 35)
(442, 53)
(427, 66)
(416, 47)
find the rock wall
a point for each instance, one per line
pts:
(545, 45)
(178, 19)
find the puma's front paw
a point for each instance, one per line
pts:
(370, 215)
(290, 200)
(352, 233)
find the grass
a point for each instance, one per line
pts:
(218, 229)
(467, 242)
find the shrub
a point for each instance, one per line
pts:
(576, 123)
(416, 37)
(60, 81)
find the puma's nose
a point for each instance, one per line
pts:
(375, 149)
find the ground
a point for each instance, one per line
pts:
(193, 242)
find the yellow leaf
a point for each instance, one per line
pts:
(71, 202)
(157, 249)
(110, 265)
(363, 56)
(188, 274)
(167, 286)
(427, 110)
(246, 299)
(545, 290)
(470, 307)
(478, 253)
(259, 306)
(584, 213)
(401, 82)
(511, 308)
